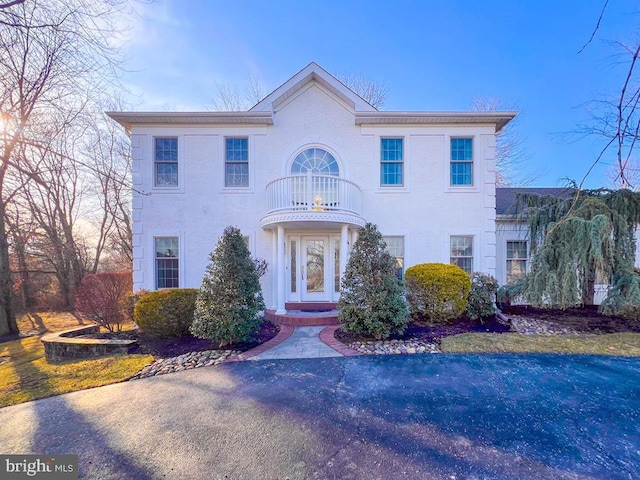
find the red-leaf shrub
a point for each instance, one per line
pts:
(103, 298)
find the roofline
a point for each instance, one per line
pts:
(499, 119)
(127, 119)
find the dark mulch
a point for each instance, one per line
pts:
(585, 319)
(432, 333)
(172, 347)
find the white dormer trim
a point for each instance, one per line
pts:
(312, 73)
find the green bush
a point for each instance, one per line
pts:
(437, 291)
(230, 299)
(371, 301)
(166, 313)
(482, 297)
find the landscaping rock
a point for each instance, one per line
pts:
(394, 347)
(530, 326)
(186, 361)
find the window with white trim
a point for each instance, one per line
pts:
(462, 252)
(166, 162)
(395, 247)
(391, 162)
(462, 161)
(236, 167)
(167, 262)
(516, 261)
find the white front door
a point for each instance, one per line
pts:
(316, 271)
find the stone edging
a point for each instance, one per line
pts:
(64, 344)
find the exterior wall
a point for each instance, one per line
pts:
(426, 210)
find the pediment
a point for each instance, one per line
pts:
(301, 80)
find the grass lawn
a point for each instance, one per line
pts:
(25, 374)
(624, 344)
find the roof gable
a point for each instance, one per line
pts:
(312, 73)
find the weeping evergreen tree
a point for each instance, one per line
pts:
(578, 239)
(230, 298)
(371, 301)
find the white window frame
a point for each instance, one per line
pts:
(472, 161)
(156, 258)
(402, 267)
(472, 256)
(227, 162)
(385, 186)
(508, 260)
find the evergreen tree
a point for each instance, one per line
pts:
(230, 298)
(371, 297)
(576, 239)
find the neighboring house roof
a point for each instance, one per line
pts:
(506, 198)
(262, 113)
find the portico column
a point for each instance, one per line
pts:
(274, 271)
(344, 246)
(281, 271)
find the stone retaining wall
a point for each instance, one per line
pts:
(65, 344)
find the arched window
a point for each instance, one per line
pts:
(317, 161)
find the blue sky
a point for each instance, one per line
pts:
(430, 55)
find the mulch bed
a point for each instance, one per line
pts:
(172, 347)
(432, 333)
(584, 320)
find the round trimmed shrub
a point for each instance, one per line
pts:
(166, 313)
(437, 291)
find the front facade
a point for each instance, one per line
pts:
(299, 174)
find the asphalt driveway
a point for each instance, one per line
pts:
(427, 416)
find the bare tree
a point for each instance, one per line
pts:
(375, 93)
(232, 98)
(52, 50)
(511, 154)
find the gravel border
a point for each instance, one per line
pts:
(186, 361)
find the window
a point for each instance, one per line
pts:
(167, 271)
(236, 168)
(391, 161)
(462, 253)
(395, 247)
(317, 160)
(461, 161)
(166, 162)
(516, 261)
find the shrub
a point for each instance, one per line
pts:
(166, 313)
(482, 297)
(102, 297)
(437, 291)
(371, 301)
(230, 298)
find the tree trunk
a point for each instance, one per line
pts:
(8, 322)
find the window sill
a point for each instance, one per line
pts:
(392, 189)
(238, 190)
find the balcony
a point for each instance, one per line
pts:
(313, 198)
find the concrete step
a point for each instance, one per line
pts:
(300, 318)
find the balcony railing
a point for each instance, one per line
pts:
(313, 193)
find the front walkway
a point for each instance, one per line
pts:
(299, 342)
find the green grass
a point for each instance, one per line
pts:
(25, 374)
(621, 344)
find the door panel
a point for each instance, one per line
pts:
(314, 271)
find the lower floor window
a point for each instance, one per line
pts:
(516, 261)
(395, 247)
(462, 252)
(167, 262)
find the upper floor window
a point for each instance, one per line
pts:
(236, 168)
(462, 252)
(317, 161)
(395, 247)
(516, 261)
(461, 161)
(167, 262)
(166, 162)
(391, 161)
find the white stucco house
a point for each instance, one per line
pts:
(299, 174)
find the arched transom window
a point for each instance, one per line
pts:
(317, 161)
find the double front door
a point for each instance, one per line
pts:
(314, 264)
